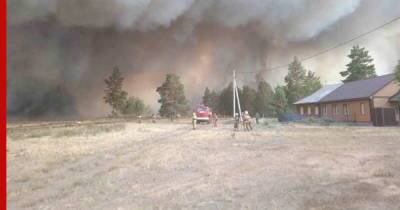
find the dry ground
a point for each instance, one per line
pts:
(125, 165)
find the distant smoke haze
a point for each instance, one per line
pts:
(60, 51)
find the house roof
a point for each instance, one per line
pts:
(395, 97)
(319, 94)
(358, 89)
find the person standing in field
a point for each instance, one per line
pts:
(215, 119)
(194, 120)
(236, 122)
(257, 118)
(247, 121)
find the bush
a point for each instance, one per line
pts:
(290, 117)
(133, 106)
(327, 120)
(317, 120)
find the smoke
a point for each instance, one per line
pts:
(60, 51)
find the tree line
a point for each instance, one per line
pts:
(299, 83)
(262, 98)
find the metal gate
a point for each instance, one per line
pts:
(384, 117)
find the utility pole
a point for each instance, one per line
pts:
(238, 101)
(234, 95)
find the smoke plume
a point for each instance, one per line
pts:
(60, 51)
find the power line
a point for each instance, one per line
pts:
(330, 48)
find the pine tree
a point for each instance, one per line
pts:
(225, 100)
(114, 95)
(247, 99)
(397, 71)
(312, 83)
(300, 82)
(295, 81)
(264, 99)
(210, 99)
(172, 97)
(280, 102)
(214, 100)
(360, 66)
(207, 98)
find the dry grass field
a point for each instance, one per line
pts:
(125, 165)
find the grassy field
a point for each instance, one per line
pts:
(125, 165)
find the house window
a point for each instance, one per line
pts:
(334, 108)
(316, 111)
(309, 110)
(362, 108)
(325, 110)
(345, 111)
(301, 110)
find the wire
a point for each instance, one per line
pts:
(330, 48)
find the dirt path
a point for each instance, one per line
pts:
(166, 166)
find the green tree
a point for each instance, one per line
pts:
(300, 82)
(207, 97)
(114, 95)
(225, 100)
(360, 66)
(312, 83)
(280, 101)
(295, 81)
(133, 106)
(210, 99)
(247, 99)
(172, 97)
(264, 99)
(397, 71)
(214, 100)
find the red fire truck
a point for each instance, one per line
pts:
(203, 114)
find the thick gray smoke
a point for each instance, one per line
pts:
(60, 51)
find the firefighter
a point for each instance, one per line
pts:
(140, 119)
(215, 119)
(194, 120)
(243, 121)
(247, 121)
(237, 122)
(257, 118)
